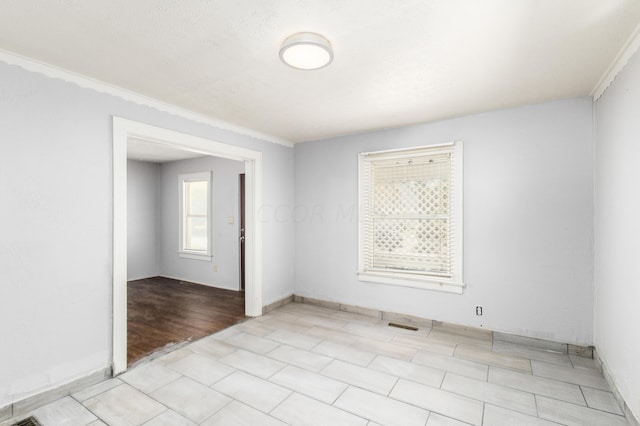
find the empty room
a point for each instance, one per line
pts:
(283, 212)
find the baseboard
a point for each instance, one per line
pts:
(6, 412)
(141, 278)
(317, 302)
(531, 341)
(198, 282)
(278, 303)
(631, 418)
(547, 345)
(26, 405)
(583, 351)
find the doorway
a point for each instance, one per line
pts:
(123, 130)
(173, 296)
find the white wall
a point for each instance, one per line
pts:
(528, 221)
(143, 220)
(617, 224)
(225, 204)
(56, 226)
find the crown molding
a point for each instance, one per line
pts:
(48, 70)
(622, 58)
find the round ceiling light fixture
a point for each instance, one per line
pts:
(306, 51)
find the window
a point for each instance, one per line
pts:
(195, 215)
(411, 217)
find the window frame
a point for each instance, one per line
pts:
(454, 283)
(206, 255)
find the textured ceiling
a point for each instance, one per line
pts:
(396, 62)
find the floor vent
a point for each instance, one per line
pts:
(30, 421)
(406, 327)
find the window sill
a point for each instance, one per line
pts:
(414, 281)
(195, 256)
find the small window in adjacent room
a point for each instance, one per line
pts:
(411, 217)
(195, 215)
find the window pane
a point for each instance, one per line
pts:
(410, 215)
(196, 233)
(196, 197)
(411, 245)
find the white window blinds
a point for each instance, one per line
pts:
(409, 222)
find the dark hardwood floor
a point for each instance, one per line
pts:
(164, 311)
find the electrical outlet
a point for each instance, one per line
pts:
(479, 311)
(215, 267)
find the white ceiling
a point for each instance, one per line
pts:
(396, 62)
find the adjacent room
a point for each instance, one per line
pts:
(368, 212)
(184, 251)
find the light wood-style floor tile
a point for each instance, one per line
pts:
(299, 410)
(380, 408)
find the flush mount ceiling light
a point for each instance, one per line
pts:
(306, 51)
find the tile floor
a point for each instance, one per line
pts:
(307, 365)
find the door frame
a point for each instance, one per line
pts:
(123, 129)
(242, 210)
